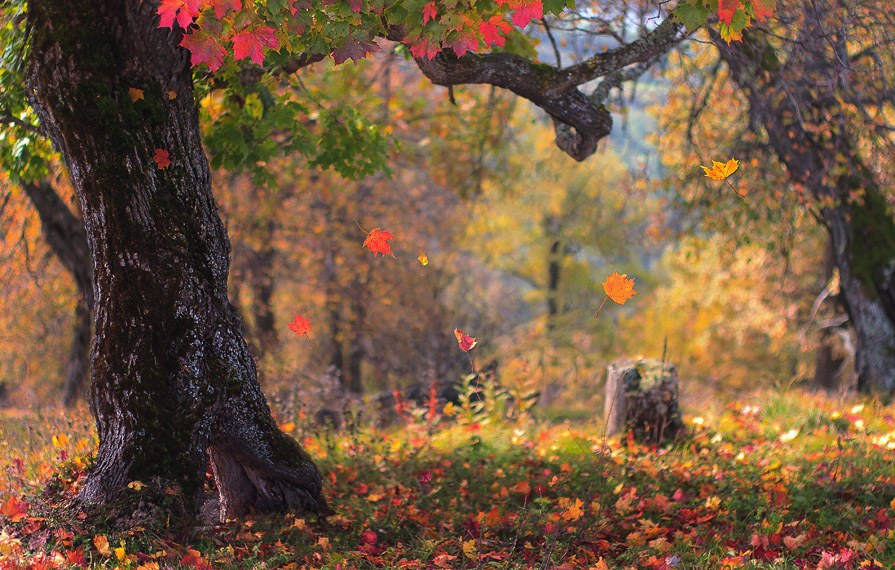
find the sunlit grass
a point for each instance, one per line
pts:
(783, 480)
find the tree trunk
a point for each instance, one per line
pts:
(791, 108)
(65, 234)
(173, 383)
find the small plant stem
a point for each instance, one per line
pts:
(601, 308)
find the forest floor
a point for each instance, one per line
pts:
(786, 480)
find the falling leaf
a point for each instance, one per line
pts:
(102, 544)
(720, 170)
(465, 341)
(424, 261)
(618, 288)
(300, 325)
(135, 94)
(377, 242)
(161, 159)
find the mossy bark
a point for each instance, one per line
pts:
(808, 130)
(173, 383)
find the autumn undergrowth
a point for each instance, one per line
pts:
(783, 480)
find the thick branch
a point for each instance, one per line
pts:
(554, 90)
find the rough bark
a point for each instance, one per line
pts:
(174, 385)
(65, 234)
(789, 102)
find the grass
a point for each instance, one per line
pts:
(787, 480)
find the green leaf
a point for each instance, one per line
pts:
(691, 14)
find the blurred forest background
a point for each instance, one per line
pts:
(735, 285)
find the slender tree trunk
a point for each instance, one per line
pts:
(173, 383)
(65, 234)
(784, 98)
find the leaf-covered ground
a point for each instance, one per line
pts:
(785, 481)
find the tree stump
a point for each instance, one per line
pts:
(642, 397)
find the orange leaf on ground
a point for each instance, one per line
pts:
(618, 288)
(720, 170)
(135, 94)
(300, 325)
(377, 242)
(15, 510)
(465, 341)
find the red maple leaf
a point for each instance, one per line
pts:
(493, 30)
(763, 8)
(204, 48)
(182, 10)
(524, 11)
(377, 242)
(429, 12)
(354, 50)
(465, 341)
(222, 6)
(161, 159)
(15, 510)
(467, 42)
(424, 48)
(250, 43)
(300, 325)
(726, 9)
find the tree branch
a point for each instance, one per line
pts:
(554, 90)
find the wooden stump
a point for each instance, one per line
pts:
(642, 397)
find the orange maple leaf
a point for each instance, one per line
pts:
(465, 341)
(618, 288)
(377, 242)
(15, 510)
(720, 170)
(300, 325)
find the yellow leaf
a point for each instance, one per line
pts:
(424, 261)
(119, 552)
(720, 170)
(469, 549)
(136, 94)
(135, 485)
(601, 565)
(60, 440)
(102, 544)
(449, 409)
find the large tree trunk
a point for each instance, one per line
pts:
(173, 384)
(808, 130)
(65, 234)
